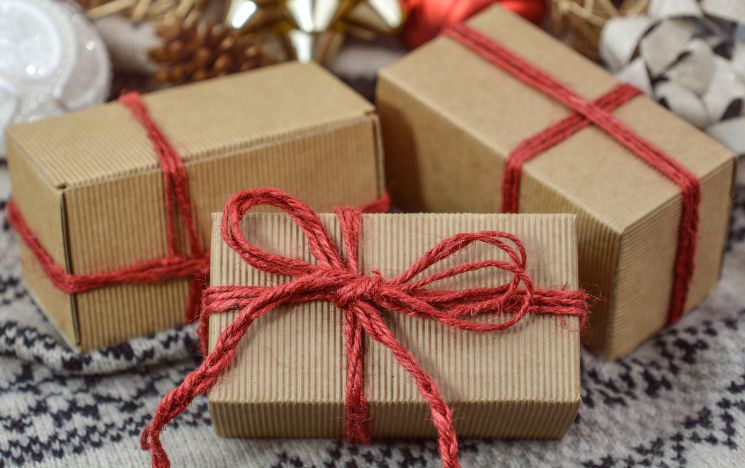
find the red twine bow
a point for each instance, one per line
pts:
(338, 279)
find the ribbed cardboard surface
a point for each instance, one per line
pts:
(289, 376)
(89, 184)
(450, 118)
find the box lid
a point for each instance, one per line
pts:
(105, 142)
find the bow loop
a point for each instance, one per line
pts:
(319, 242)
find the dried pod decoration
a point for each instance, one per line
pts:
(195, 50)
(579, 22)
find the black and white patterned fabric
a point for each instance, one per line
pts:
(679, 400)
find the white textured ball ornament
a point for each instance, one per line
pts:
(52, 60)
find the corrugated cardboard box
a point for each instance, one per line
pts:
(90, 187)
(289, 374)
(450, 118)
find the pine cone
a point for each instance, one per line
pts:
(194, 51)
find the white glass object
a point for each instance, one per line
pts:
(52, 60)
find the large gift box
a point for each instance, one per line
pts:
(290, 374)
(497, 115)
(99, 194)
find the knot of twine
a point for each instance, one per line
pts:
(338, 279)
(358, 288)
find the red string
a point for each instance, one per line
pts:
(174, 265)
(175, 185)
(176, 195)
(338, 279)
(598, 114)
(425, 19)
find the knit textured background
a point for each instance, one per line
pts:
(679, 400)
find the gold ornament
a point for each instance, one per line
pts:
(579, 22)
(314, 29)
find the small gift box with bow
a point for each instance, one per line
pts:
(495, 115)
(386, 325)
(112, 204)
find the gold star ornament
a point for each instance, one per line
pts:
(314, 29)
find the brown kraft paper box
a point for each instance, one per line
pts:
(450, 118)
(288, 378)
(90, 188)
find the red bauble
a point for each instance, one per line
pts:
(428, 17)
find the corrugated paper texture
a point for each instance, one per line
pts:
(289, 376)
(89, 184)
(450, 118)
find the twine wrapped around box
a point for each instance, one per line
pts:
(175, 265)
(580, 22)
(337, 278)
(112, 228)
(177, 200)
(596, 113)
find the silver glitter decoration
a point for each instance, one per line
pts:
(52, 60)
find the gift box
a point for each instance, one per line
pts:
(99, 194)
(496, 115)
(289, 376)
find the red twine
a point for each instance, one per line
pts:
(337, 279)
(592, 113)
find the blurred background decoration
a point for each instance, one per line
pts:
(52, 60)
(579, 22)
(194, 50)
(689, 55)
(164, 42)
(428, 17)
(141, 10)
(179, 41)
(314, 29)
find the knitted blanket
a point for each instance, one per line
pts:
(679, 400)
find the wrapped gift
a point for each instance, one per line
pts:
(496, 115)
(370, 325)
(113, 203)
